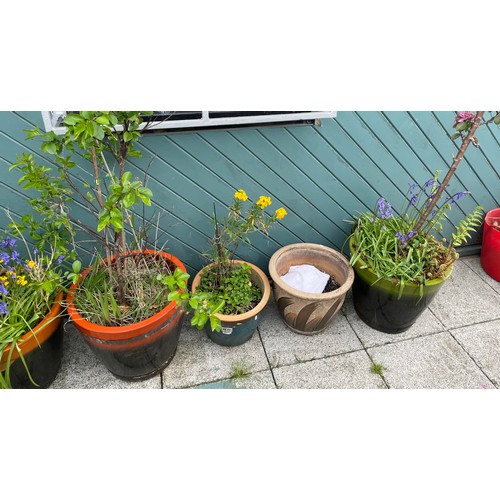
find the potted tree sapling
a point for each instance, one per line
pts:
(117, 304)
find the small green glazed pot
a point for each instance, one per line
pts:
(382, 305)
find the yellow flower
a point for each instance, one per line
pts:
(241, 195)
(21, 280)
(280, 213)
(31, 264)
(264, 201)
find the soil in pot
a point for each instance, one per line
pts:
(331, 285)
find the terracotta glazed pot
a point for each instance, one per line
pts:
(42, 349)
(490, 250)
(140, 350)
(309, 313)
(238, 328)
(382, 305)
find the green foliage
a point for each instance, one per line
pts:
(471, 222)
(377, 368)
(204, 306)
(235, 288)
(390, 247)
(242, 220)
(225, 287)
(52, 228)
(240, 369)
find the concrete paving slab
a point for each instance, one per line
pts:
(344, 371)
(432, 362)
(261, 380)
(426, 324)
(482, 342)
(464, 299)
(475, 264)
(80, 368)
(199, 360)
(284, 347)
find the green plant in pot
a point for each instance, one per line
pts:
(117, 304)
(230, 293)
(399, 261)
(31, 294)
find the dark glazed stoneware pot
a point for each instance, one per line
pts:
(382, 305)
(239, 328)
(309, 313)
(140, 350)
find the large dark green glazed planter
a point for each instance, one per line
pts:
(239, 328)
(382, 305)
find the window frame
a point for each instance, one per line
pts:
(51, 118)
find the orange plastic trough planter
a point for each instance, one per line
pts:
(42, 350)
(140, 350)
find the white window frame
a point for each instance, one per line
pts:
(50, 119)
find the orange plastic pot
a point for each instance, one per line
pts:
(42, 350)
(136, 351)
(490, 249)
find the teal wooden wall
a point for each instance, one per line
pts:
(323, 175)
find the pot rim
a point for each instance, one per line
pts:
(360, 262)
(124, 332)
(494, 213)
(343, 289)
(232, 318)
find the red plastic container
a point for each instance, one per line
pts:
(490, 251)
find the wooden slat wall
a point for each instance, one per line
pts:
(323, 175)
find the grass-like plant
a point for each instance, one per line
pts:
(404, 247)
(240, 369)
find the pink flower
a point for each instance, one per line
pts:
(464, 116)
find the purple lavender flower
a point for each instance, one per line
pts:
(413, 200)
(411, 234)
(60, 259)
(384, 209)
(3, 308)
(7, 243)
(5, 257)
(3, 290)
